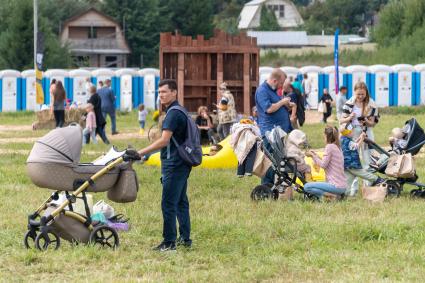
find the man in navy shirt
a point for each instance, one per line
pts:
(108, 104)
(272, 110)
(174, 171)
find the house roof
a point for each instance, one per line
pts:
(279, 38)
(247, 15)
(92, 9)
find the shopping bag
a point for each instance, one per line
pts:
(321, 108)
(376, 193)
(261, 165)
(400, 166)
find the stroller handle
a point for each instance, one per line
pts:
(131, 155)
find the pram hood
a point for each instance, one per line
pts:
(60, 146)
(415, 137)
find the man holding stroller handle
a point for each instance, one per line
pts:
(174, 171)
(272, 111)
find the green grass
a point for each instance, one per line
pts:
(235, 239)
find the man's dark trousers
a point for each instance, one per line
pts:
(175, 203)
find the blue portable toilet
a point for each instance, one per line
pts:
(125, 88)
(291, 73)
(264, 73)
(355, 74)
(149, 85)
(315, 79)
(420, 84)
(10, 91)
(404, 85)
(58, 75)
(78, 87)
(103, 75)
(29, 91)
(329, 79)
(381, 85)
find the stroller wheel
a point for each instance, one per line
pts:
(417, 193)
(104, 236)
(29, 239)
(261, 192)
(46, 240)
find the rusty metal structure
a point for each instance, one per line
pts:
(200, 66)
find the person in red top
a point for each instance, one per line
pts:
(333, 164)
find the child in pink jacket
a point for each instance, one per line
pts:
(90, 129)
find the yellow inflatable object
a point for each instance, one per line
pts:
(225, 158)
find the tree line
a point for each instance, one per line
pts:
(400, 28)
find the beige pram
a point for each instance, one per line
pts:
(54, 164)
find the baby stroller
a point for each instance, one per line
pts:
(415, 138)
(285, 169)
(54, 164)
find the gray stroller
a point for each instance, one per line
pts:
(54, 164)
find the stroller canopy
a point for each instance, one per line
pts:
(61, 146)
(415, 137)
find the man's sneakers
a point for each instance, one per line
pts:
(115, 133)
(165, 247)
(184, 243)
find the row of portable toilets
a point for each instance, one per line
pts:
(398, 85)
(401, 84)
(131, 87)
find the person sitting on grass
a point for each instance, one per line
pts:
(205, 125)
(352, 165)
(333, 164)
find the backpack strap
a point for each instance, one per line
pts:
(181, 109)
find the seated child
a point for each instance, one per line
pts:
(397, 140)
(352, 165)
(295, 141)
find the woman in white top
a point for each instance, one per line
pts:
(362, 112)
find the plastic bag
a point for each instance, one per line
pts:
(103, 207)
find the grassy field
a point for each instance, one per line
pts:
(235, 239)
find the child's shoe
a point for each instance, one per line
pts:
(141, 132)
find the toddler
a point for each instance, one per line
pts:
(90, 129)
(397, 140)
(142, 118)
(352, 165)
(295, 141)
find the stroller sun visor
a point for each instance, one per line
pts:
(415, 137)
(61, 146)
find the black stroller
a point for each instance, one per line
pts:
(284, 167)
(415, 138)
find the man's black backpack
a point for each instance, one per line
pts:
(300, 106)
(190, 150)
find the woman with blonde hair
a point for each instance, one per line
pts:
(362, 113)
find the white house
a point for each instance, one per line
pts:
(286, 13)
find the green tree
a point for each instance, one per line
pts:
(16, 42)
(191, 17)
(268, 21)
(228, 19)
(142, 27)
